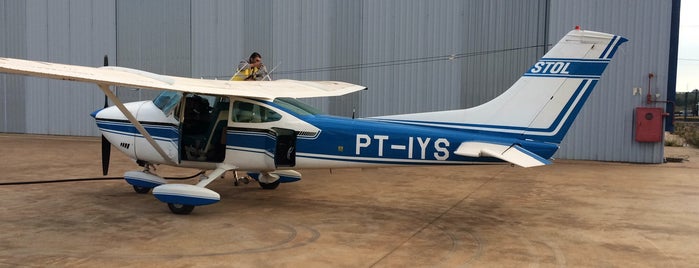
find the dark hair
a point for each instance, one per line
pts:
(253, 56)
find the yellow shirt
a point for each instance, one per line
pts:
(246, 74)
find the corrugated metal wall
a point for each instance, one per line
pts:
(346, 46)
(73, 32)
(517, 29)
(13, 30)
(217, 38)
(399, 49)
(153, 35)
(413, 55)
(604, 129)
(394, 31)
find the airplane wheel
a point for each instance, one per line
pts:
(180, 209)
(141, 189)
(270, 186)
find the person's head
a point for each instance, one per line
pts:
(255, 59)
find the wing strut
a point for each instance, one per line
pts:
(132, 119)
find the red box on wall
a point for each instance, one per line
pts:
(649, 124)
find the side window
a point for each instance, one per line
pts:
(245, 112)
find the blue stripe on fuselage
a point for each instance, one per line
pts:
(260, 140)
(159, 131)
(370, 141)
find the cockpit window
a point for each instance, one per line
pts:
(245, 112)
(296, 106)
(167, 100)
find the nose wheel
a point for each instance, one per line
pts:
(141, 189)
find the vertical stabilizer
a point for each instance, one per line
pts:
(544, 102)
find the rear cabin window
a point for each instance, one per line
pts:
(245, 112)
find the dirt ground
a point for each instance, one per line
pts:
(571, 213)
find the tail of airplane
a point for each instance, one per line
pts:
(544, 102)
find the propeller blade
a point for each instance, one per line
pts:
(106, 146)
(106, 152)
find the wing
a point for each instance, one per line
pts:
(119, 76)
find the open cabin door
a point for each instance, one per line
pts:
(285, 147)
(203, 128)
(255, 141)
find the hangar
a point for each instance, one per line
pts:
(414, 56)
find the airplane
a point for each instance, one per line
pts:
(261, 127)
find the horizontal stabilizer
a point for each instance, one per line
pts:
(514, 153)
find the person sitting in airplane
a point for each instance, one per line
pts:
(251, 69)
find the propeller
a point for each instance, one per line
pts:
(106, 146)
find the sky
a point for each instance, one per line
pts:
(688, 53)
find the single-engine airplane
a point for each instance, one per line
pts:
(261, 127)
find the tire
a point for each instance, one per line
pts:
(180, 209)
(141, 189)
(270, 186)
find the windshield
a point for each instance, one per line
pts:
(296, 106)
(167, 100)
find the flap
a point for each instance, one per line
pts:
(514, 153)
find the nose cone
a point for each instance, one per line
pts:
(113, 113)
(94, 114)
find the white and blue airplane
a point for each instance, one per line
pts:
(260, 126)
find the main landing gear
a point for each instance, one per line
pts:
(263, 185)
(237, 180)
(270, 186)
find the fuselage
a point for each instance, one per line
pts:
(270, 135)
